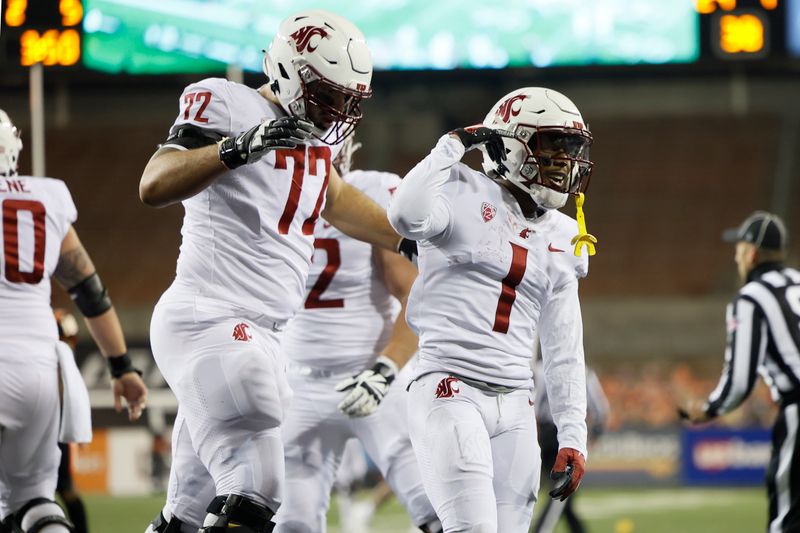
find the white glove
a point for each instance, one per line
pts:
(367, 389)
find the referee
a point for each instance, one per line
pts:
(764, 338)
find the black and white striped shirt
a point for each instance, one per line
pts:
(763, 324)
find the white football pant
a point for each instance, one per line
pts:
(224, 366)
(29, 419)
(315, 434)
(478, 454)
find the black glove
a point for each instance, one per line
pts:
(408, 249)
(253, 144)
(473, 136)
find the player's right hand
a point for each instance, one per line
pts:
(474, 136)
(253, 144)
(567, 472)
(131, 387)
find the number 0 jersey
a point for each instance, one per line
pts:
(248, 236)
(348, 314)
(37, 213)
(489, 280)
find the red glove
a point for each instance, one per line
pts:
(567, 472)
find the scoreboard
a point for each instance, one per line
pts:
(42, 31)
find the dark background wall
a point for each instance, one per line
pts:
(678, 158)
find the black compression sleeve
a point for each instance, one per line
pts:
(190, 137)
(91, 296)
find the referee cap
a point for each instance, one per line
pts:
(762, 229)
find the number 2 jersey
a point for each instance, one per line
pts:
(247, 238)
(37, 213)
(348, 313)
(489, 280)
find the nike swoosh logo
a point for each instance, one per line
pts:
(551, 248)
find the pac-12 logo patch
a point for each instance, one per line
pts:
(302, 37)
(241, 333)
(445, 387)
(488, 211)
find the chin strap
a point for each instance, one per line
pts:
(582, 238)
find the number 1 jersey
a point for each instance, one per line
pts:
(37, 213)
(248, 236)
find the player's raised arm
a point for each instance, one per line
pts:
(76, 273)
(357, 215)
(192, 157)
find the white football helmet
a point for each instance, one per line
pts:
(547, 145)
(320, 69)
(10, 145)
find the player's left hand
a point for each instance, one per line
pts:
(367, 389)
(131, 387)
(693, 412)
(474, 136)
(567, 472)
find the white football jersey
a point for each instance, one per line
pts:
(248, 237)
(348, 313)
(486, 282)
(37, 213)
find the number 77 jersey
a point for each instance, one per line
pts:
(248, 237)
(36, 215)
(491, 281)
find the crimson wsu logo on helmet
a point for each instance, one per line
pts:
(506, 109)
(445, 388)
(303, 36)
(240, 332)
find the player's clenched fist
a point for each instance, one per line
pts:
(253, 144)
(474, 136)
(567, 473)
(367, 389)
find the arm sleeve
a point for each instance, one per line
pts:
(419, 209)
(561, 334)
(746, 346)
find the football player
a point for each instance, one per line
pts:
(39, 241)
(495, 266)
(252, 169)
(345, 348)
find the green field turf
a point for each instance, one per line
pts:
(605, 510)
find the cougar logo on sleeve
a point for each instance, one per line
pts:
(488, 211)
(302, 37)
(506, 110)
(445, 388)
(240, 332)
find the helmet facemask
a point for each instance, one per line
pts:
(334, 110)
(554, 162)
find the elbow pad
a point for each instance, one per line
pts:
(91, 296)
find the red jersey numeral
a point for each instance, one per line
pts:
(314, 301)
(190, 98)
(298, 154)
(508, 292)
(11, 240)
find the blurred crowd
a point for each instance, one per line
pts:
(645, 396)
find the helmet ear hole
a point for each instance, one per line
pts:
(283, 71)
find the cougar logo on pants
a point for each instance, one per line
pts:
(240, 332)
(445, 388)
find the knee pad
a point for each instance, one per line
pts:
(239, 513)
(433, 526)
(162, 525)
(40, 513)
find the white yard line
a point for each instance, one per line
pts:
(642, 503)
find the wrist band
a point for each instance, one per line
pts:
(120, 365)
